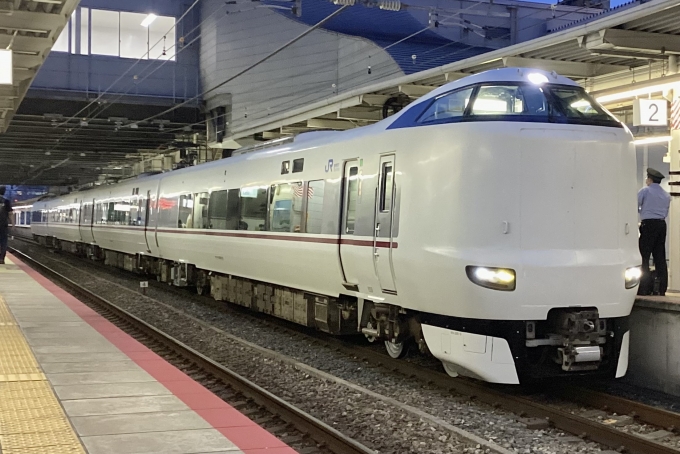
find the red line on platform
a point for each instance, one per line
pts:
(238, 428)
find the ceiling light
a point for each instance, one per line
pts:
(148, 20)
(650, 140)
(6, 68)
(637, 89)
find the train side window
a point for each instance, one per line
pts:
(253, 209)
(285, 167)
(138, 213)
(352, 197)
(168, 211)
(200, 213)
(314, 217)
(298, 165)
(451, 105)
(285, 207)
(217, 210)
(87, 214)
(233, 209)
(186, 207)
(121, 213)
(386, 186)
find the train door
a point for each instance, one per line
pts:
(350, 196)
(146, 220)
(384, 221)
(86, 222)
(81, 207)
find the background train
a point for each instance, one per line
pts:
(21, 217)
(493, 222)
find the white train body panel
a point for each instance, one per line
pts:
(553, 202)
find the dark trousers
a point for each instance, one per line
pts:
(653, 242)
(3, 244)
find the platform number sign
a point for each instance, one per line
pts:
(650, 112)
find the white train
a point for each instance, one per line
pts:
(20, 219)
(493, 221)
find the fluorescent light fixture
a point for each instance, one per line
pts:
(650, 140)
(637, 89)
(6, 68)
(148, 20)
(537, 78)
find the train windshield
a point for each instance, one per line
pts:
(518, 102)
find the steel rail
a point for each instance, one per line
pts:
(303, 421)
(642, 412)
(502, 397)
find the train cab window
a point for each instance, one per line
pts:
(509, 100)
(450, 105)
(200, 212)
(352, 197)
(314, 215)
(386, 186)
(298, 165)
(285, 207)
(234, 209)
(217, 210)
(186, 208)
(285, 167)
(253, 209)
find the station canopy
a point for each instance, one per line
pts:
(621, 48)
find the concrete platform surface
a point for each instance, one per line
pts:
(118, 396)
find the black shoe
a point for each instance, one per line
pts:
(2, 262)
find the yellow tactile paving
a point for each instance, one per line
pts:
(31, 418)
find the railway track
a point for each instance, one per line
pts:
(211, 372)
(523, 406)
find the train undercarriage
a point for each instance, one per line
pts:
(572, 341)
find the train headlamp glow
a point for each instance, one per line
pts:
(633, 276)
(493, 278)
(537, 78)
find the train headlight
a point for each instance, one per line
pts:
(493, 278)
(633, 276)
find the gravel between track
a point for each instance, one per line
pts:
(381, 426)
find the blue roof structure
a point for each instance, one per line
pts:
(385, 28)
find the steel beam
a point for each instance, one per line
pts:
(566, 68)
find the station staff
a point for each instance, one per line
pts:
(5, 211)
(653, 205)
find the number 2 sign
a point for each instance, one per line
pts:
(650, 112)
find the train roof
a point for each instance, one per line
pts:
(514, 75)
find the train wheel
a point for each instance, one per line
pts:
(396, 350)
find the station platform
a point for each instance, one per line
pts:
(72, 382)
(655, 343)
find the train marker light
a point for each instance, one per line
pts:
(633, 276)
(537, 78)
(493, 278)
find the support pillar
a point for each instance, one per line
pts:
(674, 216)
